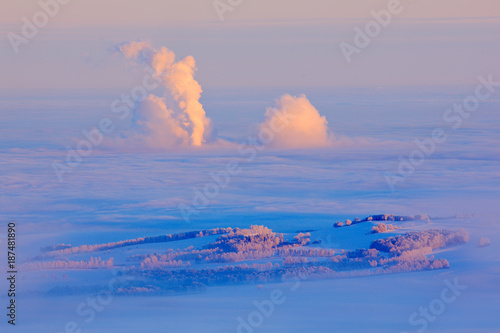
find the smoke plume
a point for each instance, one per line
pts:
(177, 117)
(296, 124)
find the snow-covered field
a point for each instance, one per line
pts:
(380, 303)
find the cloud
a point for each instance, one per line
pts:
(175, 119)
(161, 126)
(131, 50)
(296, 123)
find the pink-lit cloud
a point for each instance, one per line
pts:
(296, 124)
(177, 118)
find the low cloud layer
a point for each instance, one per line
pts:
(296, 123)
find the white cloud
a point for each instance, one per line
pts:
(296, 123)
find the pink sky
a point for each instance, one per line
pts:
(155, 12)
(260, 43)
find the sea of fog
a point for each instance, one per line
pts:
(111, 196)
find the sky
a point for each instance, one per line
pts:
(265, 44)
(155, 12)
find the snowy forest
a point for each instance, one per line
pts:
(250, 255)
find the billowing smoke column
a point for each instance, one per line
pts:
(178, 117)
(298, 124)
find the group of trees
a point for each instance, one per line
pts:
(417, 265)
(297, 260)
(257, 238)
(409, 255)
(142, 240)
(57, 247)
(415, 240)
(382, 227)
(409, 252)
(173, 270)
(363, 253)
(92, 263)
(304, 252)
(239, 256)
(383, 217)
(302, 239)
(391, 217)
(257, 242)
(483, 241)
(186, 254)
(153, 262)
(176, 270)
(354, 263)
